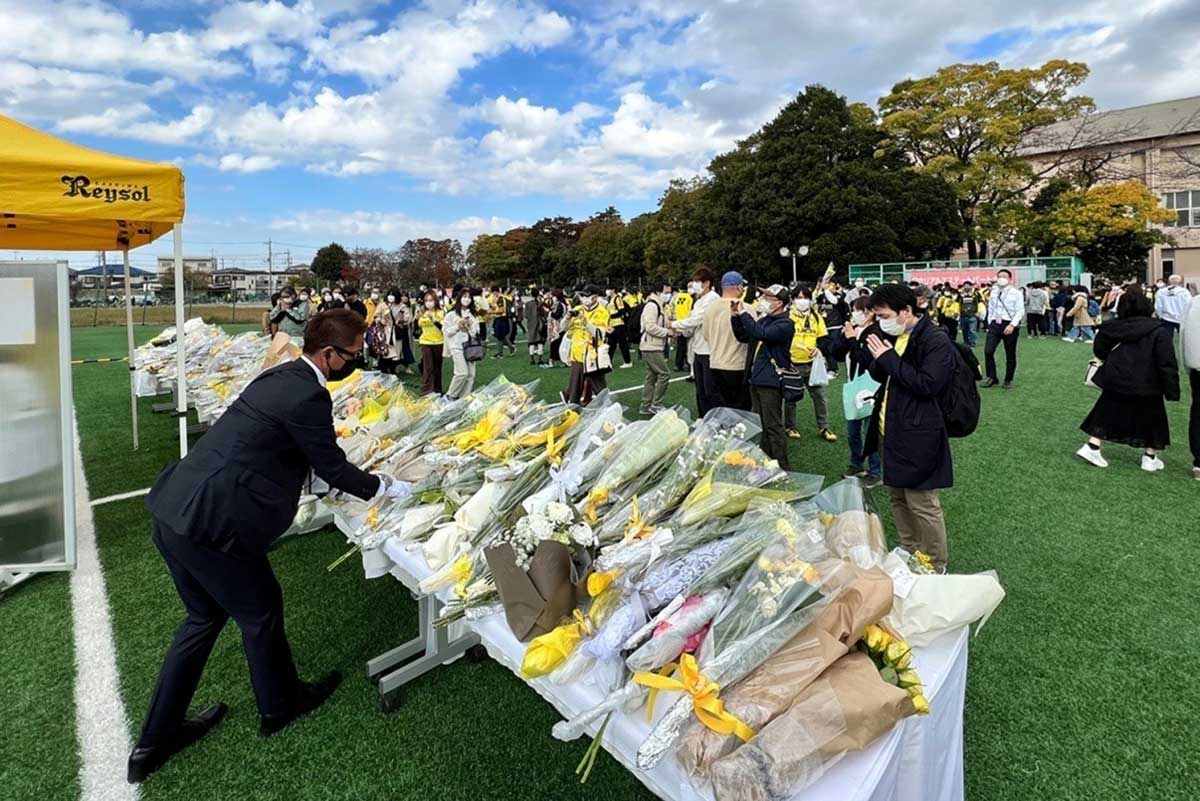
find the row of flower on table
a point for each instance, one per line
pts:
(661, 556)
(217, 365)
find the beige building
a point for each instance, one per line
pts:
(1157, 144)
(200, 264)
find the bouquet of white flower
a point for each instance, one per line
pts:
(556, 521)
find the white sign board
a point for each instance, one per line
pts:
(17, 311)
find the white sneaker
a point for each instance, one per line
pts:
(1152, 464)
(625, 366)
(1196, 473)
(1091, 455)
(1067, 339)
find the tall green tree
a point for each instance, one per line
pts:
(329, 263)
(488, 261)
(820, 174)
(967, 124)
(678, 237)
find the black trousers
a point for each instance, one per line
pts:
(582, 387)
(214, 587)
(1035, 324)
(619, 339)
(768, 402)
(1194, 421)
(951, 326)
(995, 335)
(704, 385)
(729, 388)
(681, 349)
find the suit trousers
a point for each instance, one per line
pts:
(704, 386)
(215, 586)
(1194, 421)
(768, 403)
(729, 388)
(920, 522)
(996, 335)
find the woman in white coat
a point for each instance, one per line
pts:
(459, 326)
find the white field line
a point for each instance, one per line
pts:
(121, 496)
(101, 725)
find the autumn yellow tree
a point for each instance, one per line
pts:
(968, 123)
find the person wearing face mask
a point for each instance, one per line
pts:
(682, 308)
(381, 334)
(458, 327)
(617, 311)
(949, 309)
(914, 363)
(727, 361)
(859, 290)
(498, 304)
(588, 329)
(289, 315)
(334, 299)
(809, 329)
(556, 324)
(432, 341)
(970, 303)
(769, 338)
(534, 314)
(215, 515)
(402, 319)
(1006, 310)
(852, 347)
(655, 332)
(692, 328)
(374, 298)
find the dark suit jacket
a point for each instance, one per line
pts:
(241, 484)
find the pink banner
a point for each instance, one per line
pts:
(955, 277)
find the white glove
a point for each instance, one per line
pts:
(391, 488)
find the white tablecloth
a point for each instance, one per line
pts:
(919, 760)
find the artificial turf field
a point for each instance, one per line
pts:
(1082, 686)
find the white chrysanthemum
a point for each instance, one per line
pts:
(541, 528)
(558, 512)
(582, 535)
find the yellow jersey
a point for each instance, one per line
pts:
(683, 305)
(595, 319)
(949, 306)
(901, 344)
(810, 327)
(429, 321)
(615, 305)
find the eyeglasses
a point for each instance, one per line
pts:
(347, 355)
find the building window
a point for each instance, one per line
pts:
(1186, 206)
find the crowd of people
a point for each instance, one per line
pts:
(765, 349)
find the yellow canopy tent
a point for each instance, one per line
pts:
(55, 195)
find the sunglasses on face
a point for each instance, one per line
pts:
(347, 355)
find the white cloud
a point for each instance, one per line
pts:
(393, 227)
(93, 36)
(131, 121)
(642, 127)
(236, 162)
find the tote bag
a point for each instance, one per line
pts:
(858, 396)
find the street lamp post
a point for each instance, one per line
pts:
(801, 251)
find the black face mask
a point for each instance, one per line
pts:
(345, 371)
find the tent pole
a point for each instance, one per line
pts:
(133, 414)
(180, 343)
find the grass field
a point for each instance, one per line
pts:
(1081, 686)
(164, 315)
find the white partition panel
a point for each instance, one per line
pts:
(37, 487)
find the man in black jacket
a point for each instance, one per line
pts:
(216, 513)
(907, 426)
(770, 340)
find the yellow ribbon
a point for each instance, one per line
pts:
(373, 516)
(706, 697)
(483, 432)
(502, 449)
(599, 582)
(637, 528)
(372, 412)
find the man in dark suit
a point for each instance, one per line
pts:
(216, 513)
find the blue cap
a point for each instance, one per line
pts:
(732, 278)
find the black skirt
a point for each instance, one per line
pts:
(1136, 420)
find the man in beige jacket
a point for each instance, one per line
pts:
(655, 332)
(727, 363)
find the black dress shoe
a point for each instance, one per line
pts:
(1007, 385)
(309, 698)
(145, 760)
(990, 382)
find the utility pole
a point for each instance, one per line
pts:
(270, 271)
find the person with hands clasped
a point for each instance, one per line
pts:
(914, 363)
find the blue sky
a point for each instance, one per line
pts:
(370, 123)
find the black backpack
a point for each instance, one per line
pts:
(960, 402)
